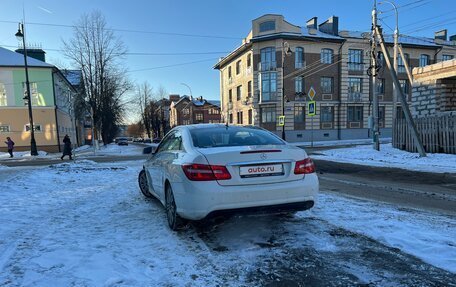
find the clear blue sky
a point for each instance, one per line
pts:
(227, 18)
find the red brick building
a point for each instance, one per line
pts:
(188, 110)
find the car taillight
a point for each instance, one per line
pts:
(304, 166)
(204, 172)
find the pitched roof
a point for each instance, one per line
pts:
(10, 58)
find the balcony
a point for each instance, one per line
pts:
(355, 97)
(267, 66)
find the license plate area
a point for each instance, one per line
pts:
(261, 170)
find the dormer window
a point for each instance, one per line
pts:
(267, 26)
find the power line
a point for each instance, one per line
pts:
(131, 31)
(174, 65)
(142, 53)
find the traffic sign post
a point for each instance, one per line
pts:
(281, 121)
(311, 111)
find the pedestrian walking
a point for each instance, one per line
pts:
(66, 147)
(10, 145)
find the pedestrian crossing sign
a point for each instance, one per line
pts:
(311, 108)
(281, 121)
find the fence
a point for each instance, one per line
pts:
(438, 134)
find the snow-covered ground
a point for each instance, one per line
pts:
(82, 152)
(391, 157)
(86, 224)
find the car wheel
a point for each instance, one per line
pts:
(174, 220)
(143, 186)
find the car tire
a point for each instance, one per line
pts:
(142, 182)
(175, 222)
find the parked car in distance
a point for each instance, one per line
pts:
(122, 141)
(207, 169)
(147, 140)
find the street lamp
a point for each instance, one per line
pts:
(20, 35)
(395, 63)
(286, 51)
(191, 101)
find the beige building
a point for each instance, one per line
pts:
(272, 71)
(51, 96)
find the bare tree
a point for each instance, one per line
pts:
(98, 53)
(145, 96)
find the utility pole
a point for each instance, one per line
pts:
(373, 75)
(403, 98)
(395, 61)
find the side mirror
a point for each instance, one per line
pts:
(149, 150)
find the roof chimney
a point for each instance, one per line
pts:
(38, 54)
(441, 35)
(330, 26)
(174, 98)
(312, 23)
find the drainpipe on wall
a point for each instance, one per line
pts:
(55, 112)
(339, 137)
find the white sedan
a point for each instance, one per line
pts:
(202, 170)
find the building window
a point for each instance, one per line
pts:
(268, 87)
(326, 114)
(238, 67)
(355, 114)
(213, 112)
(299, 58)
(239, 118)
(250, 117)
(199, 117)
(230, 95)
(400, 63)
(355, 60)
(3, 100)
(185, 111)
(231, 118)
(268, 59)
(268, 115)
(249, 60)
(36, 100)
(326, 56)
(4, 129)
(326, 84)
(424, 60)
(267, 26)
(299, 85)
(238, 93)
(37, 128)
(404, 86)
(249, 89)
(355, 88)
(380, 86)
(229, 72)
(299, 114)
(447, 57)
(186, 122)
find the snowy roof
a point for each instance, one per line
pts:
(73, 76)
(306, 32)
(10, 58)
(214, 102)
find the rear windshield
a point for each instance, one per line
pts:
(232, 136)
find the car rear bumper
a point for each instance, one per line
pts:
(197, 200)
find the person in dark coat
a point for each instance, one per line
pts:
(66, 147)
(10, 145)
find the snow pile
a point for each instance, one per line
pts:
(428, 236)
(391, 157)
(82, 148)
(339, 142)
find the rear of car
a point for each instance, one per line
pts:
(243, 168)
(122, 141)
